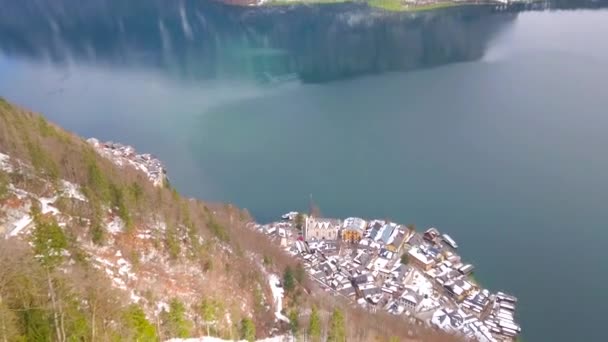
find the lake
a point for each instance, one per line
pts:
(490, 124)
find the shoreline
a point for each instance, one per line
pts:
(387, 266)
(389, 5)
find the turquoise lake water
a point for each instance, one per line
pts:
(490, 125)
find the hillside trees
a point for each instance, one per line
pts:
(172, 242)
(175, 323)
(4, 181)
(85, 306)
(294, 324)
(209, 310)
(136, 325)
(314, 325)
(289, 283)
(49, 243)
(8, 324)
(247, 330)
(337, 330)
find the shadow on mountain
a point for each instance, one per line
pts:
(206, 40)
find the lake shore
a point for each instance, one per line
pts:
(385, 266)
(387, 5)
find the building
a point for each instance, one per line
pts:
(420, 259)
(409, 299)
(431, 235)
(458, 288)
(466, 269)
(353, 229)
(321, 228)
(398, 241)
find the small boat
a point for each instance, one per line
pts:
(290, 215)
(449, 241)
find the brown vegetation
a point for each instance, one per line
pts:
(230, 258)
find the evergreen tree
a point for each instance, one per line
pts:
(172, 242)
(294, 323)
(404, 259)
(138, 327)
(117, 200)
(247, 330)
(175, 322)
(209, 311)
(3, 185)
(288, 280)
(36, 324)
(337, 330)
(136, 191)
(314, 326)
(96, 180)
(49, 240)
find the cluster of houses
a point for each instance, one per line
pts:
(122, 155)
(382, 265)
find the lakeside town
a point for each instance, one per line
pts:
(382, 265)
(376, 264)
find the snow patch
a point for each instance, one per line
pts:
(5, 164)
(46, 205)
(277, 294)
(20, 225)
(72, 190)
(124, 269)
(115, 226)
(134, 298)
(145, 235)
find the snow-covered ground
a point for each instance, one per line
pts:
(20, 225)
(4, 163)
(115, 226)
(72, 190)
(277, 294)
(46, 206)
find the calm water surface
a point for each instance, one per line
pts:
(490, 125)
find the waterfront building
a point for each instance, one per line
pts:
(353, 229)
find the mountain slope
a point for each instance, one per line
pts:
(95, 252)
(155, 247)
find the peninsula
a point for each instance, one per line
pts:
(382, 265)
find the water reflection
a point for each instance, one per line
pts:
(207, 40)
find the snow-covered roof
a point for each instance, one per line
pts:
(418, 255)
(354, 223)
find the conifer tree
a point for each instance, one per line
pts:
(247, 330)
(337, 330)
(314, 326)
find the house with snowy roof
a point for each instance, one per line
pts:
(353, 229)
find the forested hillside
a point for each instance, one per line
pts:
(95, 252)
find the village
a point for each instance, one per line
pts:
(382, 265)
